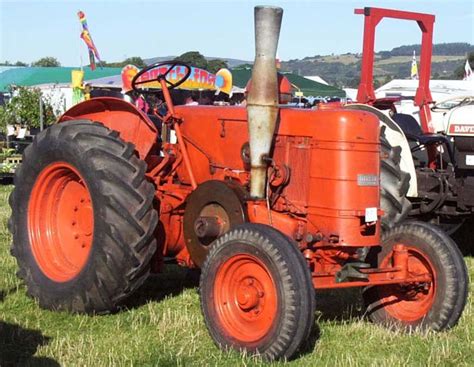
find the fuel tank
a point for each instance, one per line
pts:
(344, 190)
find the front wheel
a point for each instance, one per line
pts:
(436, 304)
(256, 292)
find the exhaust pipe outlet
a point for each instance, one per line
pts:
(262, 99)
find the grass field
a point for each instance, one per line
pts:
(408, 59)
(348, 59)
(162, 326)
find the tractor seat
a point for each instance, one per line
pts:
(413, 132)
(408, 124)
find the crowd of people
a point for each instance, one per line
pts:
(154, 104)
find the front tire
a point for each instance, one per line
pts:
(82, 218)
(256, 292)
(435, 305)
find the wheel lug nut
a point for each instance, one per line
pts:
(76, 236)
(249, 281)
(260, 294)
(73, 222)
(76, 208)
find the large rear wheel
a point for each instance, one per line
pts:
(256, 292)
(82, 218)
(394, 184)
(436, 304)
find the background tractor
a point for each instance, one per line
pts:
(433, 176)
(270, 203)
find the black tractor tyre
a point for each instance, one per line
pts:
(122, 242)
(394, 184)
(443, 305)
(293, 292)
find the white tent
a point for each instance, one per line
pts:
(440, 89)
(114, 81)
(351, 93)
(59, 95)
(316, 78)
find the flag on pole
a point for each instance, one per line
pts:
(278, 62)
(468, 72)
(414, 67)
(86, 36)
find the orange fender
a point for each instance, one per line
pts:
(133, 125)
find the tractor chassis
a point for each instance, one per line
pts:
(441, 193)
(344, 278)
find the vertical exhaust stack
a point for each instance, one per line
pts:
(262, 99)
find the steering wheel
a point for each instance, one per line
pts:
(161, 75)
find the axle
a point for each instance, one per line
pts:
(359, 274)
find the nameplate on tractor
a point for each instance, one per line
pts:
(367, 180)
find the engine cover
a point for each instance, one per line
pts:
(461, 121)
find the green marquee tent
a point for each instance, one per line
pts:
(28, 76)
(240, 77)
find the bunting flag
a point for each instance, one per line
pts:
(86, 36)
(278, 62)
(414, 67)
(468, 72)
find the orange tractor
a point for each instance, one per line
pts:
(269, 202)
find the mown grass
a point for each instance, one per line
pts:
(408, 59)
(163, 326)
(348, 59)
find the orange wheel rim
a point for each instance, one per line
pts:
(413, 301)
(60, 222)
(245, 298)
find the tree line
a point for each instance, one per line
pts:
(193, 58)
(439, 49)
(47, 61)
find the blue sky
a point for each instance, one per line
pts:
(30, 30)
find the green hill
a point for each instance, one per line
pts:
(344, 70)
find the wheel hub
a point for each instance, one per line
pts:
(60, 222)
(245, 297)
(411, 302)
(82, 214)
(248, 295)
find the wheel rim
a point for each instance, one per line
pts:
(60, 222)
(413, 301)
(245, 297)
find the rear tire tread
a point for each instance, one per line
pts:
(394, 185)
(123, 263)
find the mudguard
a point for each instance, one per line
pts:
(133, 125)
(395, 137)
(460, 121)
